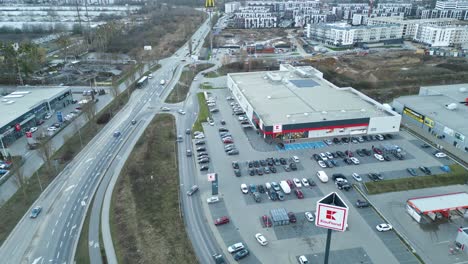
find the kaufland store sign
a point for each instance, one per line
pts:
(332, 213)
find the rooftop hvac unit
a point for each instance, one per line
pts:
(273, 77)
(302, 73)
(451, 106)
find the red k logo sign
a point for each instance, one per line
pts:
(329, 214)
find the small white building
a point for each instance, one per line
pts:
(231, 7)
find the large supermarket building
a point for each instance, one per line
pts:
(296, 103)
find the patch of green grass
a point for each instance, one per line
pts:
(147, 225)
(209, 86)
(212, 74)
(339, 48)
(458, 175)
(179, 93)
(152, 69)
(203, 113)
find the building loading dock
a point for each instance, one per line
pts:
(437, 206)
(298, 103)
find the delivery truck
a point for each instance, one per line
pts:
(285, 187)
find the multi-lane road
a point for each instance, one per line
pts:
(53, 236)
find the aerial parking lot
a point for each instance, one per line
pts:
(247, 183)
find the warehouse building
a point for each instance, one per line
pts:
(22, 109)
(298, 103)
(438, 113)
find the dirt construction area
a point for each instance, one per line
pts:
(249, 36)
(389, 74)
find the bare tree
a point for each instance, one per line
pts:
(20, 179)
(45, 151)
(89, 110)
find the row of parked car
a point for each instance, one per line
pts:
(269, 165)
(360, 139)
(330, 159)
(226, 138)
(4, 167)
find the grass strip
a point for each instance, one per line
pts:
(180, 90)
(457, 175)
(203, 113)
(147, 226)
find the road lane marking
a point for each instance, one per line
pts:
(68, 224)
(58, 254)
(64, 233)
(37, 260)
(53, 230)
(88, 160)
(47, 245)
(60, 215)
(56, 223)
(71, 216)
(61, 243)
(86, 186)
(64, 205)
(68, 199)
(74, 208)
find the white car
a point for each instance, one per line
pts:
(52, 129)
(295, 158)
(195, 78)
(297, 182)
(384, 227)
(322, 164)
(329, 155)
(165, 109)
(182, 112)
(323, 156)
(305, 182)
(261, 239)
(210, 121)
(244, 188)
(199, 136)
(212, 199)
(309, 216)
(440, 155)
(354, 160)
(236, 247)
(356, 177)
(33, 129)
(379, 157)
(303, 260)
(328, 142)
(48, 116)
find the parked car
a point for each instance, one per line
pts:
(261, 239)
(322, 164)
(309, 216)
(356, 176)
(361, 204)
(241, 254)
(236, 247)
(297, 183)
(221, 221)
(219, 259)
(412, 171)
(323, 156)
(204, 168)
(305, 182)
(244, 188)
(354, 160)
(440, 155)
(426, 170)
(316, 157)
(303, 260)
(299, 194)
(253, 188)
(212, 199)
(292, 217)
(33, 129)
(266, 221)
(379, 157)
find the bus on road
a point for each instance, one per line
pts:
(142, 82)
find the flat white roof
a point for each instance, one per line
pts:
(22, 100)
(302, 95)
(440, 202)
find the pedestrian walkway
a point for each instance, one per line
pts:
(302, 145)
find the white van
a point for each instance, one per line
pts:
(322, 176)
(268, 185)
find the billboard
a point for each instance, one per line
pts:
(332, 213)
(429, 122)
(278, 128)
(413, 114)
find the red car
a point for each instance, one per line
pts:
(266, 221)
(290, 183)
(227, 141)
(377, 150)
(299, 194)
(348, 153)
(292, 217)
(222, 220)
